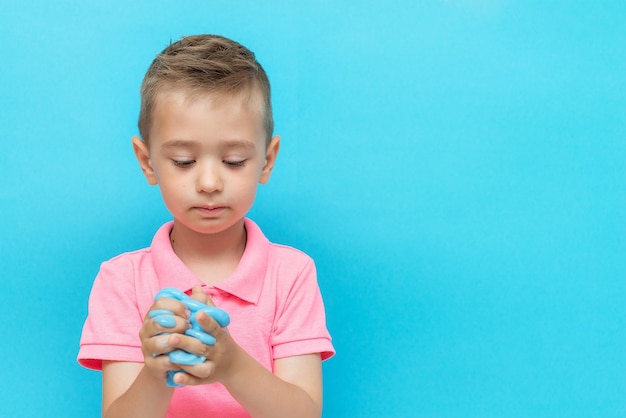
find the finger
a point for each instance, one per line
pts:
(185, 348)
(160, 363)
(198, 294)
(160, 345)
(164, 324)
(208, 324)
(209, 301)
(163, 317)
(173, 306)
(195, 375)
(169, 381)
(218, 315)
(182, 357)
(158, 324)
(201, 336)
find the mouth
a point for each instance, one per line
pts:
(210, 209)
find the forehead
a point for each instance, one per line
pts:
(248, 99)
(199, 116)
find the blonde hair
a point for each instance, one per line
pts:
(204, 64)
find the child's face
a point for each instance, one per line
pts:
(208, 155)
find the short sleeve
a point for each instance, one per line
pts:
(111, 330)
(300, 324)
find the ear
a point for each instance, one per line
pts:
(143, 157)
(270, 159)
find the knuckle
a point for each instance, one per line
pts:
(206, 351)
(208, 369)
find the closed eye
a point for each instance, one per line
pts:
(232, 163)
(183, 163)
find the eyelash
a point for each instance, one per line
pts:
(235, 163)
(188, 163)
(183, 164)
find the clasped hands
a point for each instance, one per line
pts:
(183, 338)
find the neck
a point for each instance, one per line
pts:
(212, 257)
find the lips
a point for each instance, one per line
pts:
(211, 210)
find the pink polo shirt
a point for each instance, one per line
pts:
(272, 297)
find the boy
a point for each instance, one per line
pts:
(206, 139)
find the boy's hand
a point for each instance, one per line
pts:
(198, 294)
(219, 357)
(162, 335)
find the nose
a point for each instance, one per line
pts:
(209, 178)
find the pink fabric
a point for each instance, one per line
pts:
(272, 297)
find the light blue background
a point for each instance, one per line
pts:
(456, 168)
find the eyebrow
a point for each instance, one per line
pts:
(185, 143)
(179, 143)
(239, 143)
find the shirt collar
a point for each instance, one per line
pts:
(245, 282)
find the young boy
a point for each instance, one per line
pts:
(206, 139)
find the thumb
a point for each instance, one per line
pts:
(198, 294)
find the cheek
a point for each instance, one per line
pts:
(171, 187)
(246, 188)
